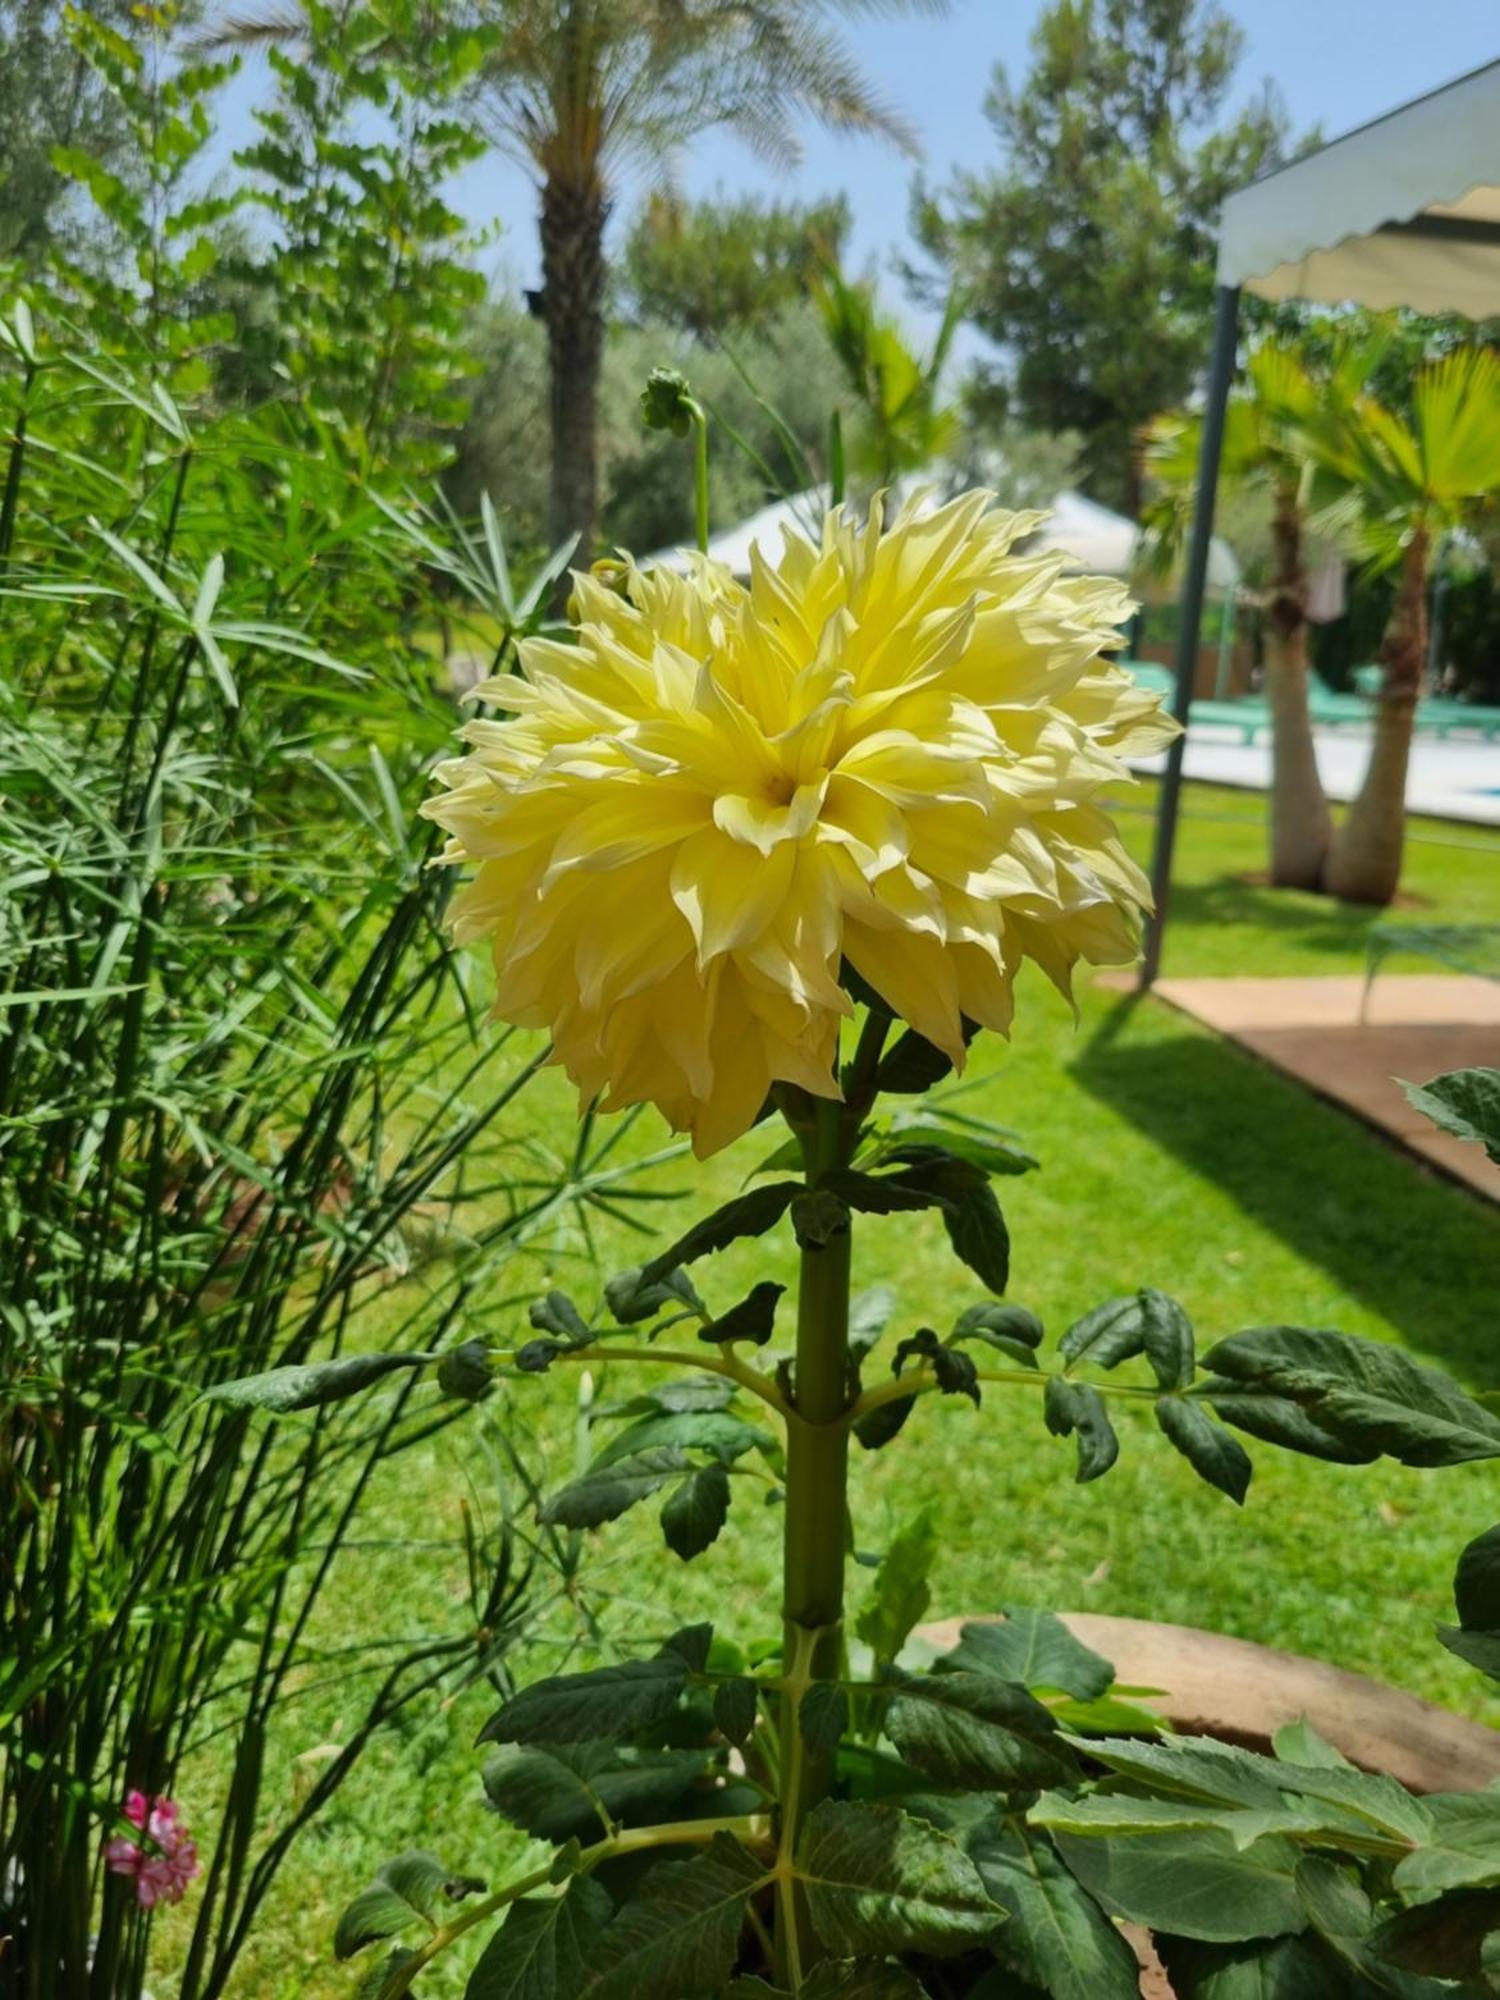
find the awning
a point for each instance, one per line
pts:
(1404, 211)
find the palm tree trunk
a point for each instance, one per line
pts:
(1301, 827)
(572, 233)
(1364, 863)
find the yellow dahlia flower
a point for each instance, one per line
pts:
(884, 750)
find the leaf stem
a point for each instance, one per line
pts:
(722, 1362)
(677, 1833)
(922, 1382)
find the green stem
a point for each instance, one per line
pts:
(679, 1833)
(700, 475)
(722, 1361)
(817, 1462)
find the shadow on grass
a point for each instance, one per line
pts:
(1303, 921)
(1419, 1252)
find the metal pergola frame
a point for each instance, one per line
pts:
(1404, 210)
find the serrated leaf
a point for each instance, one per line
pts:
(823, 1716)
(754, 1318)
(736, 1705)
(678, 1934)
(608, 1702)
(1035, 1650)
(1212, 1453)
(1168, 1339)
(1077, 1409)
(280, 1390)
(1299, 1743)
(1465, 1102)
(900, 1594)
(565, 1792)
(869, 1315)
(1196, 1885)
(718, 1432)
(976, 1228)
(1371, 1394)
(409, 1889)
(880, 1881)
(837, 1979)
(1108, 1334)
(1277, 1420)
(693, 1517)
(1477, 1649)
(1476, 1583)
(1002, 1326)
(610, 1491)
(881, 1424)
(1462, 1848)
(974, 1730)
(1288, 1968)
(543, 1948)
(1058, 1938)
(879, 1194)
(749, 1214)
(911, 1066)
(1342, 1914)
(985, 1147)
(1222, 1774)
(632, 1299)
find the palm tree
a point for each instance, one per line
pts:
(579, 88)
(1415, 477)
(1266, 452)
(904, 423)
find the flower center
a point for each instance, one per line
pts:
(780, 789)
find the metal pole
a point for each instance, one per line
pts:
(1190, 623)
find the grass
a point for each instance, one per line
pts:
(1169, 1158)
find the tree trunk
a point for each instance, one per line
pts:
(1364, 863)
(572, 233)
(1301, 827)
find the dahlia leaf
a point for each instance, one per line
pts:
(606, 1703)
(1212, 1453)
(1036, 1650)
(410, 1887)
(901, 1592)
(749, 1214)
(1367, 1393)
(1077, 1409)
(736, 1704)
(679, 1932)
(280, 1390)
(565, 1792)
(725, 1436)
(542, 1949)
(606, 1492)
(693, 1517)
(976, 1730)
(1058, 1939)
(878, 1880)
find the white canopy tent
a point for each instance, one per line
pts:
(1093, 537)
(1404, 211)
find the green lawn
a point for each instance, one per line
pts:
(1169, 1158)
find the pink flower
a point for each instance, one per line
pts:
(163, 1873)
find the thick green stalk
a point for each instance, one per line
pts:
(817, 1461)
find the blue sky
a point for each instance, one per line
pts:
(1335, 62)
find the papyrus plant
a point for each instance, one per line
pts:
(776, 854)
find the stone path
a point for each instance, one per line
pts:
(1418, 1025)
